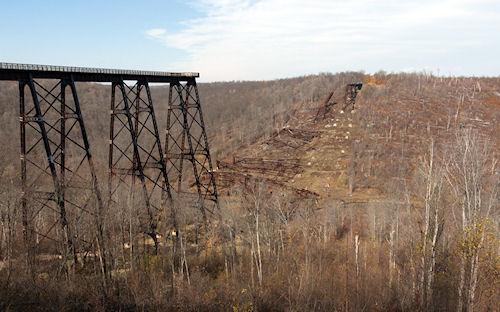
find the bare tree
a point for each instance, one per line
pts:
(473, 176)
(432, 175)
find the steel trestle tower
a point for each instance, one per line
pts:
(63, 210)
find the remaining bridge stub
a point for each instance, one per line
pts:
(62, 206)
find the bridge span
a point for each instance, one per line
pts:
(62, 199)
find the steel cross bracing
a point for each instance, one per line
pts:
(61, 198)
(351, 91)
(186, 146)
(135, 153)
(62, 207)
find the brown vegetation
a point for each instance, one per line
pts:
(391, 207)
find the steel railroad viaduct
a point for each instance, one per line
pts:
(61, 196)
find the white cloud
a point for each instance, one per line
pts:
(156, 33)
(242, 39)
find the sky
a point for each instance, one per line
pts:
(256, 39)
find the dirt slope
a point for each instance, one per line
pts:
(355, 156)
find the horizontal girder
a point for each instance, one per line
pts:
(14, 71)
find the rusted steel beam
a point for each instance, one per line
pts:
(325, 107)
(228, 179)
(280, 169)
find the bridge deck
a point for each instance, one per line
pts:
(14, 71)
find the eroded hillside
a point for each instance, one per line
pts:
(357, 155)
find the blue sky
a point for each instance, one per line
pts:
(253, 40)
(90, 32)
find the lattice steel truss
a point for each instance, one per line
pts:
(61, 199)
(186, 143)
(135, 153)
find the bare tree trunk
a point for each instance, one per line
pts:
(252, 257)
(461, 286)
(346, 274)
(425, 233)
(392, 263)
(432, 262)
(184, 263)
(259, 255)
(356, 252)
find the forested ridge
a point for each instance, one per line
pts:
(400, 212)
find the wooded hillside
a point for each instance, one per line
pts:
(390, 206)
